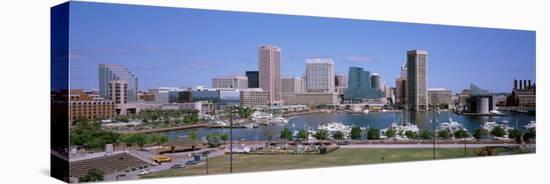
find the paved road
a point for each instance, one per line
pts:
(176, 159)
(458, 145)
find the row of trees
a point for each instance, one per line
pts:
(91, 135)
(374, 134)
(140, 140)
(168, 116)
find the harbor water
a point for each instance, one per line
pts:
(378, 120)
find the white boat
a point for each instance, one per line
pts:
(489, 125)
(334, 127)
(366, 111)
(279, 121)
(451, 125)
(495, 112)
(532, 124)
(401, 128)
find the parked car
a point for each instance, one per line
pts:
(192, 162)
(143, 172)
(176, 166)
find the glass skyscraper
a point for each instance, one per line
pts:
(114, 72)
(359, 86)
(417, 80)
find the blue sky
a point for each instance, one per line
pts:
(187, 47)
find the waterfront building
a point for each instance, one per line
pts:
(475, 90)
(523, 95)
(390, 94)
(110, 72)
(440, 96)
(82, 105)
(201, 107)
(311, 98)
(184, 97)
(254, 97)
(319, 75)
(340, 83)
(229, 97)
(359, 86)
(479, 104)
(269, 62)
(375, 81)
(292, 85)
(230, 82)
(401, 86)
(253, 79)
(212, 96)
(462, 96)
(417, 80)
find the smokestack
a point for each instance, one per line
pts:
(515, 84)
(524, 84)
(520, 84)
(529, 86)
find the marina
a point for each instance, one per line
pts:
(380, 120)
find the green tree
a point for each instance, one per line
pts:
(194, 135)
(390, 132)
(480, 133)
(410, 134)
(338, 135)
(373, 134)
(461, 134)
(355, 133)
(128, 140)
(244, 112)
(515, 134)
(92, 175)
(158, 139)
(425, 134)
(498, 131)
(286, 134)
(530, 134)
(140, 140)
(224, 137)
(444, 134)
(303, 135)
(321, 134)
(213, 140)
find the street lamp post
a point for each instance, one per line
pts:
(231, 111)
(435, 107)
(206, 160)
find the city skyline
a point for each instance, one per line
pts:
(172, 54)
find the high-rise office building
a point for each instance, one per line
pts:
(417, 79)
(110, 72)
(253, 79)
(118, 89)
(292, 85)
(269, 59)
(359, 86)
(230, 82)
(401, 86)
(340, 83)
(319, 75)
(375, 81)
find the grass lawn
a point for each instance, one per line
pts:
(340, 157)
